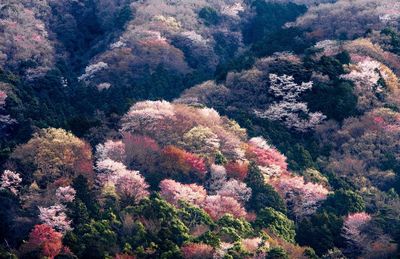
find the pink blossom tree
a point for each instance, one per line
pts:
(217, 206)
(114, 150)
(173, 192)
(265, 155)
(129, 185)
(55, 217)
(352, 231)
(303, 198)
(65, 194)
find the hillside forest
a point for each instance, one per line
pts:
(212, 129)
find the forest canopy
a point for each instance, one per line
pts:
(199, 129)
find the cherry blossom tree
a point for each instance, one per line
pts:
(289, 110)
(23, 37)
(10, 181)
(265, 155)
(108, 170)
(252, 244)
(217, 206)
(173, 192)
(65, 194)
(91, 70)
(129, 185)
(352, 231)
(146, 118)
(235, 189)
(114, 150)
(365, 76)
(302, 198)
(55, 217)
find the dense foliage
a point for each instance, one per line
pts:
(199, 129)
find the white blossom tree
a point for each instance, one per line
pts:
(288, 109)
(10, 181)
(235, 189)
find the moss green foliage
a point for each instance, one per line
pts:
(277, 223)
(234, 228)
(343, 202)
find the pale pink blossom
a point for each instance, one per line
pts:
(304, 198)
(55, 217)
(10, 181)
(173, 192)
(65, 194)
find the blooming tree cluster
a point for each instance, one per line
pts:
(165, 33)
(371, 93)
(197, 156)
(362, 145)
(55, 217)
(129, 185)
(10, 181)
(354, 19)
(289, 110)
(174, 191)
(217, 206)
(197, 251)
(302, 198)
(352, 230)
(365, 77)
(91, 70)
(23, 37)
(269, 160)
(56, 154)
(65, 194)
